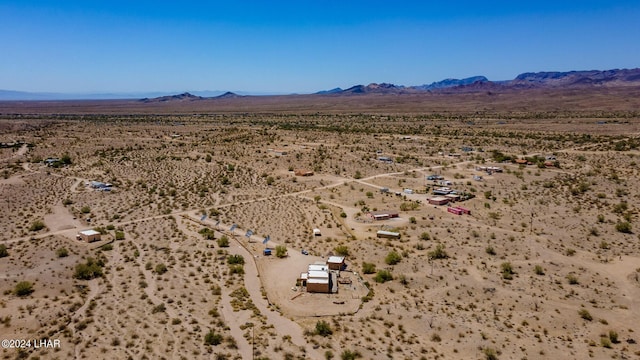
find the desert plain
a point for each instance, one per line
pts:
(545, 266)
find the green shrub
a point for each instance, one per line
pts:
(383, 276)
(85, 210)
(212, 338)
(584, 313)
(490, 250)
(236, 269)
(235, 259)
(507, 270)
(623, 227)
(223, 241)
(23, 288)
(36, 226)
(281, 251)
(392, 258)
(119, 235)
(3, 251)
(368, 268)
(91, 269)
(323, 328)
(490, 354)
(160, 269)
(342, 250)
(613, 336)
(438, 253)
(350, 355)
(538, 270)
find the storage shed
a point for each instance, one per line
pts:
(316, 232)
(303, 172)
(336, 262)
(438, 200)
(89, 236)
(388, 234)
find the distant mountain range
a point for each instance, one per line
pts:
(570, 79)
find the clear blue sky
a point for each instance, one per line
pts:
(304, 45)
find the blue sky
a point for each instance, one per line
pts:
(303, 46)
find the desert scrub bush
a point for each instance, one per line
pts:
(409, 206)
(106, 247)
(212, 338)
(425, 236)
(36, 226)
(160, 269)
(23, 288)
(368, 268)
(584, 313)
(507, 270)
(342, 250)
(207, 233)
(490, 353)
(158, 308)
(323, 328)
(623, 227)
(570, 252)
(383, 276)
(573, 280)
(91, 269)
(613, 336)
(235, 260)
(281, 251)
(392, 258)
(438, 253)
(85, 209)
(236, 269)
(490, 250)
(350, 355)
(605, 342)
(538, 270)
(62, 252)
(3, 251)
(119, 235)
(223, 241)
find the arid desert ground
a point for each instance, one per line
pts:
(545, 266)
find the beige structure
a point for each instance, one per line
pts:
(303, 172)
(317, 279)
(388, 234)
(89, 236)
(335, 262)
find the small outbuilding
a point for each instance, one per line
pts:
(388, 234)
(316, 232)
(303, 172)
(336, 262)
(384, 215)
(438, 200)
(89, 236)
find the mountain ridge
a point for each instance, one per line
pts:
(523, 81)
